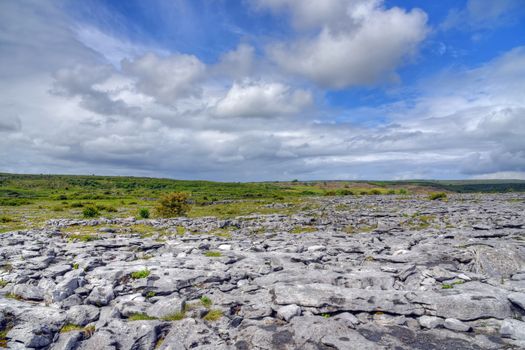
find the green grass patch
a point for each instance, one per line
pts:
(140, 274)
(175, 317)
(303, 229)
(3, 283)
(206, 301)
(213, 254)
(213, 315)
(141, 317)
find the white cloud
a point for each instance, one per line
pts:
(355, 43)
(166, 78)
(262, 100)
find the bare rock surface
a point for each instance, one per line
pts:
(367, 272)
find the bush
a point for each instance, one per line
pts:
(144, 213)
(173, 204)
(437, 196)
(90, 212)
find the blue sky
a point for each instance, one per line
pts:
(264, 89)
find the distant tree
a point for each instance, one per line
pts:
(173, 204)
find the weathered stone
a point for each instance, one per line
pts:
(288, 312)
(456, 325)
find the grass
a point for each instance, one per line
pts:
(213, 315)
(140, 274)
(303, 229)
(206, 301)
(175, 317)
(82, 237)
(437, 196)
(141, 317)
(28, 201)
(86, 331)
(213, 254)
(13, 296)
(3, 283)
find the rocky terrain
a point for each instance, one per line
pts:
(368, 272)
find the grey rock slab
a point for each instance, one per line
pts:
(288, 312)
(29, 292)
(518, 299)
(456, 325)
(31, 335)
(67, 341)
(81, 315)
(166, 307)
(101, 296)
(513, 329)
(430, 322)
(328, 298)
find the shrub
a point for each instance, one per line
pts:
(173, 204)
(375, 192)
(140, 274)
(144, 213)
(437, 196)
(76, 205)
(90, 212)
(5, 219)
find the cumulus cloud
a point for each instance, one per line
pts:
(356, 42)
(173, 115)
(262, 100)
(166, 78)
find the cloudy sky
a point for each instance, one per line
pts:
(264, 89)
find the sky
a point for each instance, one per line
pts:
(259, 90)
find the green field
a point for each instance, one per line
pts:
(29, 200)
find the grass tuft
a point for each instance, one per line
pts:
(140, 274)
(141, 317)
(213, 254)
(213, 315)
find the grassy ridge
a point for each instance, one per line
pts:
(27, 201)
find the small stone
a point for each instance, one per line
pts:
(288, 312)
(225, 247)
(430, 322)
(456, 325)
(316, 248)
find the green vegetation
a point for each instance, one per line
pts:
(82, 237)
(90, 212)
(140, 317)
(140, 274)
(3, 283)
(437, 195)
(213, 315)
(28, 201)
(87, 331)
(213, 254)
(175, 317)
(173, 204)
(144, 213)
(206, 301)
(13, 296)
(303, 229)
(75, 266)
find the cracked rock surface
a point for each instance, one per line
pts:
(370, 272)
